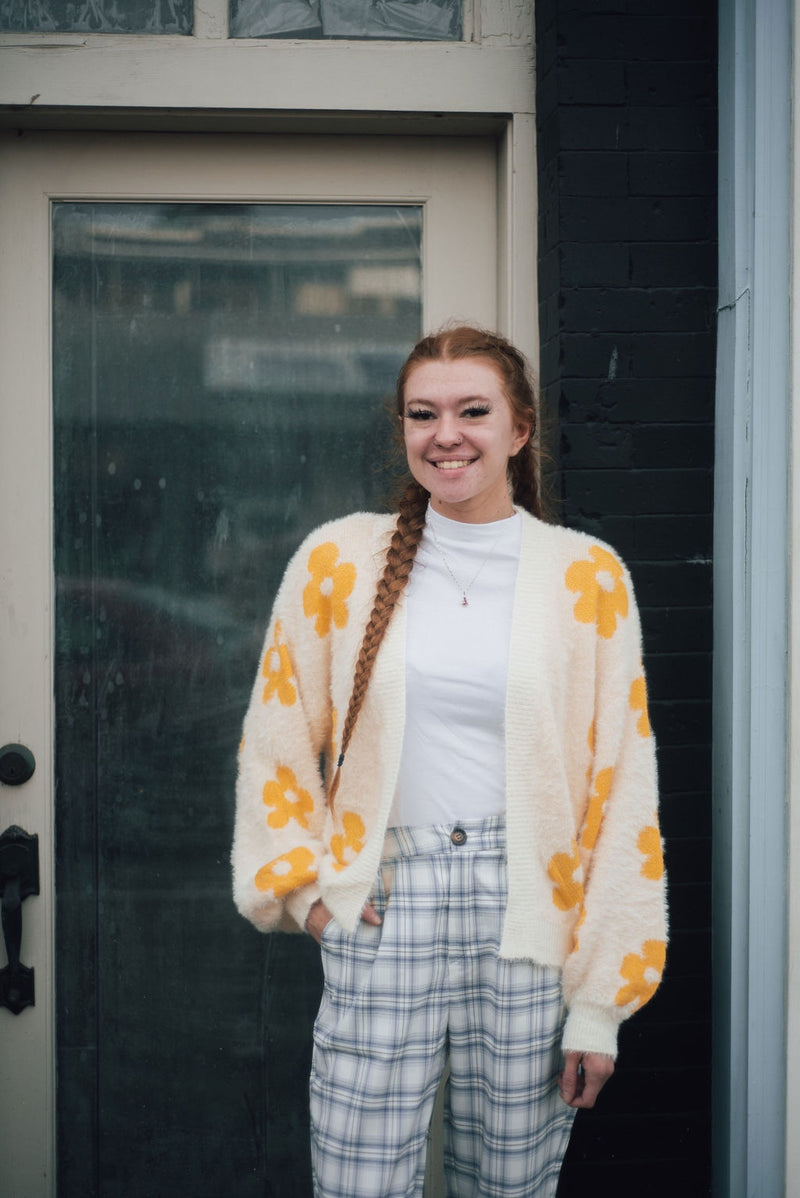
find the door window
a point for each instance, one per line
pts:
(409, 20)
(218, 377)
(96, 16)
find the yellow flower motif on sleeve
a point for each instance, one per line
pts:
(334, 725)
(347, 845)
(594, 813)
(638, 702)
(649, 845)
(277, 669)
(288, 872)
(590, 740)
(276, 795)
(642, 971)
(324, 596)
(602, 592)
(568, 890)
(581, 920)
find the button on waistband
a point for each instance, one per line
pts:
(458, 836)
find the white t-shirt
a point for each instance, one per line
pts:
(452, 766)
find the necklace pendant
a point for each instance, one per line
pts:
(464, 602)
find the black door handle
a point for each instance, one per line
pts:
(19, 877)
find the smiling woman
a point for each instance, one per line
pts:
(481, 858)
(460, 434)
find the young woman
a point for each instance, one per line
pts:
(479, 856)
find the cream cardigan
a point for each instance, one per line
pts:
(585, 868)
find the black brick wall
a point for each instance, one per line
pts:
(626, 102)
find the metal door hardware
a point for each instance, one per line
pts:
(19, 877)
(16, 764)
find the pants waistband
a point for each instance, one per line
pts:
(465, 836)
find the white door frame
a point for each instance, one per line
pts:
(751, 602)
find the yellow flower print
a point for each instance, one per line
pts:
(649, 845)
(288, 872)
(276, 795)
(346, 846)
(324, 596)
(594, 813)
(638, 702)
(277, 669)
(568, 891)
(581, 920)
(590, 739)
(603, 595)
(642, 971)
(334, 724)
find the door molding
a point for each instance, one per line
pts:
(751, 535)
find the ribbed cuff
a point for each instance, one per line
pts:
(299, 903)
(590, 1028)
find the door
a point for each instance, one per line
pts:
(197, 338)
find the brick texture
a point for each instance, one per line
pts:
(626, 113)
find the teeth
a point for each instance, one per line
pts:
(451, 465)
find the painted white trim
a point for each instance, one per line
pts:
(793, 978)
(181, 73)
(517, 282)
(750, 590)
(211, 71)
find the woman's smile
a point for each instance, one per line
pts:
(452, 463)
(459, 435)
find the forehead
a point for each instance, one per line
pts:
(463, 378)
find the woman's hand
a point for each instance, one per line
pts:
(584, 1075)
(319, 917)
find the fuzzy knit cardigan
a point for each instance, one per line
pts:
(585, 866)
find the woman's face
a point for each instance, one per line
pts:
(459, 434)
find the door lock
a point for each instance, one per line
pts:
(16, 764)
(19, 877)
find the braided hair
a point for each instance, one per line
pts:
(451, 344)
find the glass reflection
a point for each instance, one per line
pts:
(410, 20)
(96, 16)
(218, 378)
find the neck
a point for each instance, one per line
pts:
(477, 514)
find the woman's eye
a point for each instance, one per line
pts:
(476, 411)
(419, 414)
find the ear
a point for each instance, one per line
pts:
(522, 435)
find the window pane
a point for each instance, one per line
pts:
(411, 20)
(219, 381)
(96, 16)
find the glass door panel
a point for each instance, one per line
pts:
(218, 385)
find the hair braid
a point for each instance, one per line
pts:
(399, 561)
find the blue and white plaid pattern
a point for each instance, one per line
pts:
(426, 984)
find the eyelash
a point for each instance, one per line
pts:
(424, 414)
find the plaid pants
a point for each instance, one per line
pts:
(428, 984)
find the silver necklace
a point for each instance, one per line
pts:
(464, 590)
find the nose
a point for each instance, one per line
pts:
(446, 432)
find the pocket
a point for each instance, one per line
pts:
(328, 932)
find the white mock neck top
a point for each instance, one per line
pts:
(452, 765)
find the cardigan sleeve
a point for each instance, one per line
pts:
(619, 945)
(280, 794)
